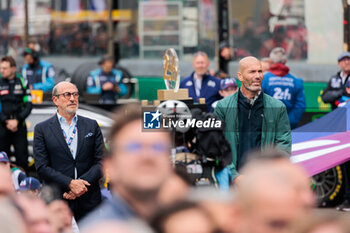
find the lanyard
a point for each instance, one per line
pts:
(197, 89)
(70, 140)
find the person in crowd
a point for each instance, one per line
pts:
(346, 96)
(15, 46)
(337, 94)
(39, 74)
(138, 165)
(68, 150)
(17, 174)
(183, 217)
(226, 54)
(228, 87)
(176, 187)
(325, 221)
(33, 45)
(294, 173)
(35, 213)
(279, 39)
(16, 105)
(200, 83)
(109, 226)
(268, 199)
(250, 41)
(6, 186)
(58, 40)
(218, 204)
(266, 63)
(11, 220)
(336, 85)
(60, 216)
(31, 185)
(4, 160)
(252, 119)
(106, 81)
(279, 83)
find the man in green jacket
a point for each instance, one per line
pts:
(253, 120)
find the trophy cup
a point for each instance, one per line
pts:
(171, 76)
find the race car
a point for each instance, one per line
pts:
(321, 147)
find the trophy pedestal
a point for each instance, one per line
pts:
(181, 94)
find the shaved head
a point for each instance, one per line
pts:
(250, 74)
(246, 62)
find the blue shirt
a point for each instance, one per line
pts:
(68, 132)
(209, 89)
(113, 209)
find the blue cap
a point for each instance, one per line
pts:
(29, 183)
(228, 82)
(3, 157)
(343, 55)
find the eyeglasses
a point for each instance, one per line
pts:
(135, 148)
(68, 95)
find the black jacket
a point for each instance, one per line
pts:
(15, 99)
(55, 163)
(334, 90)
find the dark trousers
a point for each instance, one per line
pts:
(86, 203)
(77, 213)
(19, 141)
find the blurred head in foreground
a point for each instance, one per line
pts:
(176, 187)
(324, 221)
(138, 163)
(183, 217)
(109, 226)
(273, 194)
(218, 204)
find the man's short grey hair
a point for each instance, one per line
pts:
(278, 55)
(200, 53)
(55, 88)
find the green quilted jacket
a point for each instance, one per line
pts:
(275, 127)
